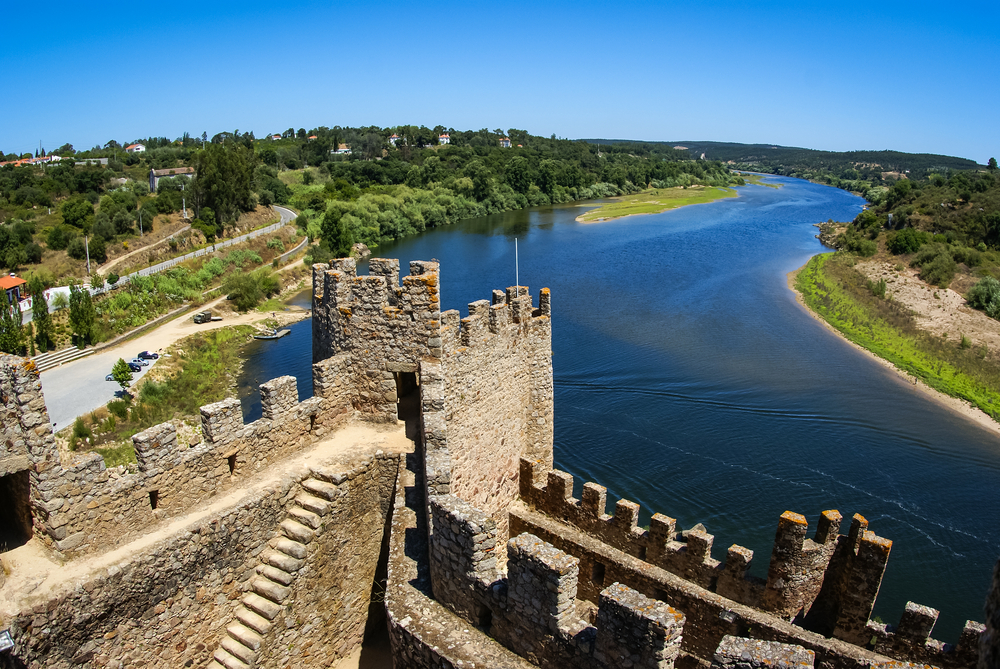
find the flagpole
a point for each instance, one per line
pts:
(517, 271)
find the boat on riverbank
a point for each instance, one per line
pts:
(275, 334)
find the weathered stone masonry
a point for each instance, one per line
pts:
(491, 560)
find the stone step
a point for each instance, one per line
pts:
(283, 562)
(291, 548)
(254, 621)
(245, 636)
(223, 657)
(277, 575)
(307, 518)
(265, 587)
(238, 650)
(297, 531)
(214, 665)
(264, 607)
(320, 488)
(313, 503)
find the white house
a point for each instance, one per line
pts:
(393, 139)
(342, 150)
(444, 139)
(504, 142)
(135, 148)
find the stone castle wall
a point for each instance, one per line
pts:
(79, 508)
(827, 585)
(171, 605)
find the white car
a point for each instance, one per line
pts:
(140, 361)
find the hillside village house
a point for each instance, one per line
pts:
(156, 175)
(504, 142)
(135, 148)
(11, 285)
(311, 137)
(444, 139)
(342, 150)
(393, 139)
(275, 137)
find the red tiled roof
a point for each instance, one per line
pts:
(8, 282)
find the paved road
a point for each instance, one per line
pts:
(72, 390)
(287, 215)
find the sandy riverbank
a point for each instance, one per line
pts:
(954, 404)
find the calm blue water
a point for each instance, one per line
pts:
(687, 379)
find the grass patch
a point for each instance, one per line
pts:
(843, 297)
(122, 454)
(273, 304)
(758, 180)
(656, 200)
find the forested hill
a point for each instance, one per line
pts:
(772, 156)
(869, 173)
(366, 184)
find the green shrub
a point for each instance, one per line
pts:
(877, 288)
(907, 240)
(985, 295)
(964, 254)
(936, 265)
(247, 290)
(80, 432)
(119, 408)
(275, 243)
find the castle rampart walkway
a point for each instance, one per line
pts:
(36, 575)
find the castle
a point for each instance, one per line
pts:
(415, 490)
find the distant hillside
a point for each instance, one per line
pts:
(770, 157)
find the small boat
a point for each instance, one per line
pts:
(275, 334)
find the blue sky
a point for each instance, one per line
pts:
(913, 76)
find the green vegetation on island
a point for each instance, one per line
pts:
(654, 201)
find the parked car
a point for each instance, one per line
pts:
(148, 355)
(203, 317)
(134, 367)
(140, 362)
(109, 377)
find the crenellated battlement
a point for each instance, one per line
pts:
(81, 507)
(534, 610)
(827, 583)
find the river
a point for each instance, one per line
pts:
(688, 379)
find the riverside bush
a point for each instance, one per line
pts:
(907, 240)
(985, 295)
(248, 289)
(936, 264)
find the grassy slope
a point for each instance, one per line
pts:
(834, 290)
(655, 200)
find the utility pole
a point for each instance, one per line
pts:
(86, 245)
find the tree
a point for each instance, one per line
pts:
(517, 173)
(11, 337)
(122, 374)
(81, 315)
(992, 165)
(224, 180)
(40, 315)
(78, 213)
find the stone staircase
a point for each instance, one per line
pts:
(273, 582)
(45, 361)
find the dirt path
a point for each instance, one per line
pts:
(103, 269)
(36, 574)
(941, 312)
